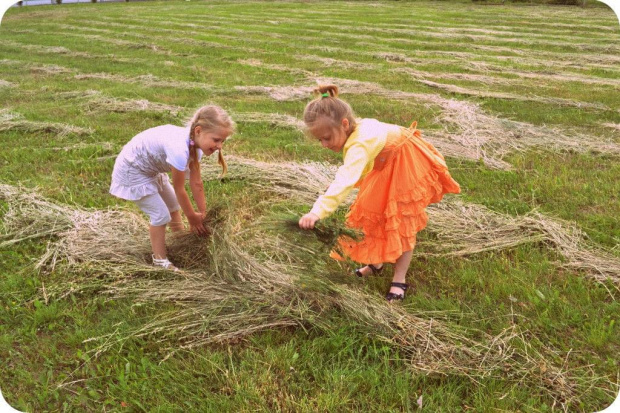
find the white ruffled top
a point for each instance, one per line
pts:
(148, 155)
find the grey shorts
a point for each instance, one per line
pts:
(159, 206)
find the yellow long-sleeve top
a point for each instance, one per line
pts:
(359, 153)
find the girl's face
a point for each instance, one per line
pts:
(210, 141)
(331, 137)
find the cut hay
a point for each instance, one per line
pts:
(327, 231)
(271, 66)
(235, 294)
(279, 93)
(511, 96)
(344, 64)
(79, 94)
(28, 216)
(469, 132)
(71, 53)
(36, 47)
(494, 137)
(104, 146)
(117, 105)
(464, 229)
(34, 68)
(485, 79)
(110, 36)
(459, 229)
(545, 74)
(145, 80)
(11, 121)
(118, 42)
(6, 83)
(49, 69)
(276, 119)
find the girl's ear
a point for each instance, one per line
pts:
(197, 131)
(345, 124)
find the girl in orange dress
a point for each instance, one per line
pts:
(398, 175)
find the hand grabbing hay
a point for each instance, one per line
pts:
(190, 250)
(327, 231)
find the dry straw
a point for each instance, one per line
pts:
(145, 80)
(110, 104)
(233, 293)
(459, 229)
(11, 121)
(512, 96)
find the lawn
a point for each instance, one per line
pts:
(523, 101)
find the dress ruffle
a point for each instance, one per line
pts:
(148, 186)
(133, 193)
(390, 206)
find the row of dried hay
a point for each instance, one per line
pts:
(458, 228)
(232, 293)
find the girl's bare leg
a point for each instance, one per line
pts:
(176, 224)
(158, 240)
(400, 270)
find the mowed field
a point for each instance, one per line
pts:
(515, 284)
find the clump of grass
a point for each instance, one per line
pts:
(4, 83)
(12, 121)
(327, 231)
(110, 104)
(192, 251)
(145, 80)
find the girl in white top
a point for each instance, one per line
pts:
(140, 173)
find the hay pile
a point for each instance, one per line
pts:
(279, 93)
(12, 121)
(457, 228)
(233, 292)
(5, 83)
(494, 137)
(513, 96)
(110, 104)
(145, 80)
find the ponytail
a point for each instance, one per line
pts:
(327, 105)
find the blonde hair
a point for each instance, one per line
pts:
(210, 118)
(327, 105)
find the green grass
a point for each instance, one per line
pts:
(41, 344)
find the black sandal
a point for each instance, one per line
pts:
(392, 296)
(375, 270)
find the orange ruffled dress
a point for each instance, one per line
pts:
(408, 175)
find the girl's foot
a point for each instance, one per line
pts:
(164, 263)
(397, 292)
(369, 269)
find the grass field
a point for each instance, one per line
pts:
(523, 99)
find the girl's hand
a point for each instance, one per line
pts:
(308, 221)
(195, 223)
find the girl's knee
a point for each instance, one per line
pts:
(160, 219)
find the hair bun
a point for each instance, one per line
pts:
(332, 90)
